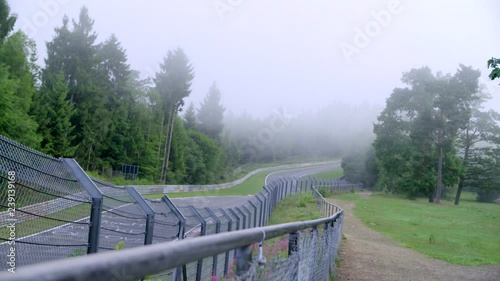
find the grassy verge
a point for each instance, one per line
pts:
(236, 174)
(40, 224)
(329, 175)
(244, 170)
(467, 234)
(300, 207)
(251, 186)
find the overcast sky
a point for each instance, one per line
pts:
(300, 55)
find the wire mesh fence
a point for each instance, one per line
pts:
(43, 209)
(313, 257)
(52, 210)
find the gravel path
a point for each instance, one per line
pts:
(369, 255)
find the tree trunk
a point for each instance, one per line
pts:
(440, 176)
(459, 190)
(462, 178)
(159, 145)
(439, 187)
(171, 130)
(161, 132)
(163, 174)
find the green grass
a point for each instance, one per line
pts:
(468, 234)
(244, 170)
(329, 175)
(236, 174)
(251, 186)
(346, 196)
(40, 224)
(300, 207)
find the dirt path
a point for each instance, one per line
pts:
(368, 255)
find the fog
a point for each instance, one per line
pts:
(290, 56)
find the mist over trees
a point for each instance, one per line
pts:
(433, 137)
(87, 102)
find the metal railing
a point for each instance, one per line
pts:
(211, 256)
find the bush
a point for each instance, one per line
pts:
(487, 196)
(324, 191)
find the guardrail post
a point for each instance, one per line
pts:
(203, 223)
(293, 243)
(243, 261)
(96, 209)
(150, 214)
(180, 234)
(229, 227)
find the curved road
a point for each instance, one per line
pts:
(234, 201)
(301, 172)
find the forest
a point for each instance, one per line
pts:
(86, 102)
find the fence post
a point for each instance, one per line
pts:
(180, 234)
(244, 224)
(96, 211)
(229, 228)
(249, 216)
(203, 223)
(243, 261)
(282, 189)
(150, 214)
(268, 202)
(254, 214)
(237, 218)
(217, 230)
(262, 209)
(287, 181)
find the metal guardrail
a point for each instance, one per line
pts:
(133, 264)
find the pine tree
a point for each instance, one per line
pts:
(190, 119)
(54, 112)
(173, 84)
(211, 114)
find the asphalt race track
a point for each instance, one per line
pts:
(125, 223)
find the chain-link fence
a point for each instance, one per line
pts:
(50, 209)
(44, 211)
